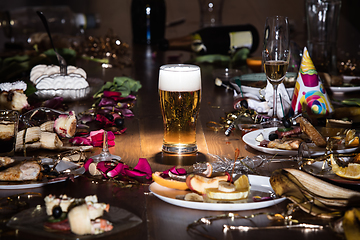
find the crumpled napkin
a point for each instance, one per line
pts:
(253, 102)
(284, 104)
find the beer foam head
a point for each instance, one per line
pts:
(179, 78)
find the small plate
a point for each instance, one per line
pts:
(260, 186)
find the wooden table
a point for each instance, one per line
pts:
(143, 139)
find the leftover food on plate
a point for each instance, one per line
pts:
(208, 189)
(291, 138)
(47, 135)
(80, 216)
(4, 161)
(350, 170)
(343, 168)
(26, 170)
(12, 96)
(261, 195)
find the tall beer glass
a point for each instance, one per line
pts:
(180, 96)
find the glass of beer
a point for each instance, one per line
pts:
(180, 97)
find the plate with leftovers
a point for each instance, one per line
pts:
(348, 84)
(250, 139)
(32, 221)
(24, 173)
(259, 188)
(323, 170)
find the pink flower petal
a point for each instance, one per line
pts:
(87, 164)
(120, 168)
(103, 120)
(144, 167)
(106, 102)
(127, 113)
(174, 170)
(105, 166)
(80, 141)
(134, 173)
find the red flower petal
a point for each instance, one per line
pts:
(112, 94)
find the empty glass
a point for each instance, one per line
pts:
(322, 18)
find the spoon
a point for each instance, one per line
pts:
(62, 62)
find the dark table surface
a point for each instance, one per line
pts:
(143, 139)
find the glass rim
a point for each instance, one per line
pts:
(176, 67)
(6, 112)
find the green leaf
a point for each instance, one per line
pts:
(31, 89)
(125, 85)
(211, 58)
(351, 101)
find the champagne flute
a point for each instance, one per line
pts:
(276, 56)
(105, 154)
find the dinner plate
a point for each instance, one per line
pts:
(32, 221)
(260, 186)
(345, 89)
(249, 139)
(319, 169)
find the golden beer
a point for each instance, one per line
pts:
(180, 97)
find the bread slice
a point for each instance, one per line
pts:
(309, 129)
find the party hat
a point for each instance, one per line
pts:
(309, 94)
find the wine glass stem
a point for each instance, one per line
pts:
(275, 102)
(105, 150)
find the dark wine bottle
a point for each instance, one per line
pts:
(148, 21)
(216, 40)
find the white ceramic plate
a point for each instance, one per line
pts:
(249, 139)
(344, 89)
(260, 186)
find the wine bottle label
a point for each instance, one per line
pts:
(197, 44)
(240, 40)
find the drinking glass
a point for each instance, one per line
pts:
(322, 17)
(180, 96)
(276, 56)
(9, 121)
